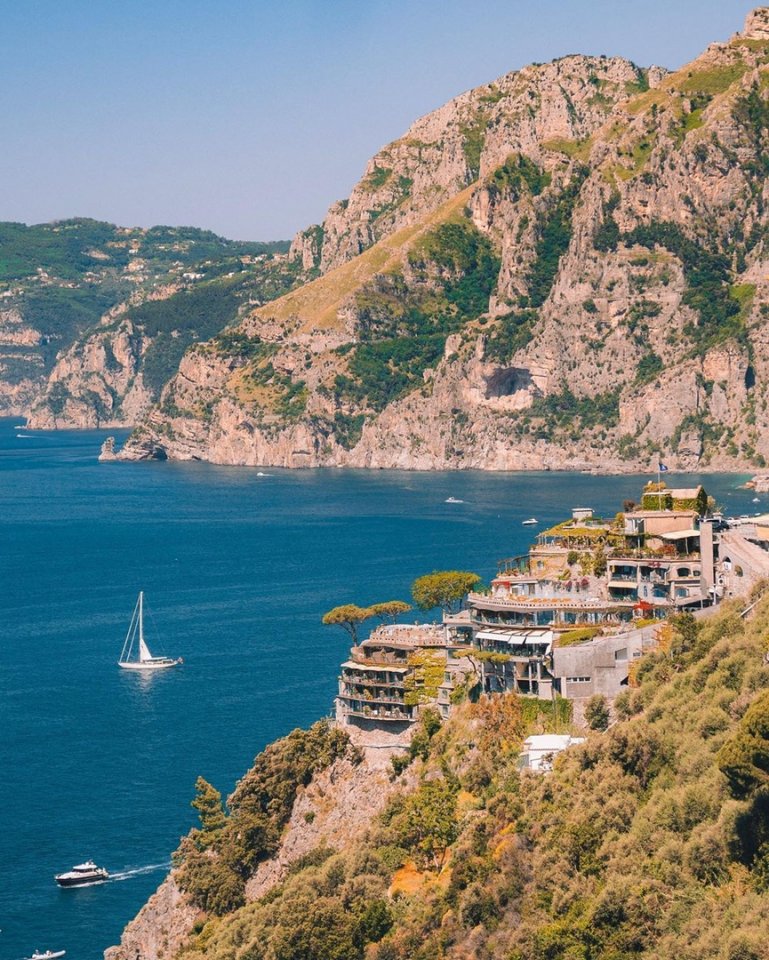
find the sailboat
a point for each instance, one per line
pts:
(142, 659)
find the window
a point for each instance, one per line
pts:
(621, 654)
(579, 679)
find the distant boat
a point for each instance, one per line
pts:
(142, 659)
(260, 474)
(756, 499)
(453, 500)
(48, 955)
(83, 875)
(531, 522)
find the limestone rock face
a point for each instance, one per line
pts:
(18, 342)
(443, 152)
(98, 382)
(757, 24)
(566, 268)
(159, 929)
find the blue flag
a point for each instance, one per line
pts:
(661, 467)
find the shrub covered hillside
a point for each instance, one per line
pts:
(650, 840)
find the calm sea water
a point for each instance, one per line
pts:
(237, 570)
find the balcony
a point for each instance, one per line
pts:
(367, 681)
(355, 697)
(392, 716)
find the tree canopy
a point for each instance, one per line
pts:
(350, 616)
(444, 589)
(390, 610)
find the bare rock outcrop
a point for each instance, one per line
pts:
(159, 929)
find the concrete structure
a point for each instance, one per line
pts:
(540, 751)
(388, 678)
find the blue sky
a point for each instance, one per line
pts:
(250, 118)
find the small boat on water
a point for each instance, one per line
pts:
(82, 875)
(141, 658)
(531, 522)
(48, 955)
(453, 500)
(756, 499)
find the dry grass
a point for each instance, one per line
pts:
(315, 306)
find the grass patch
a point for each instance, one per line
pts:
(713, 81)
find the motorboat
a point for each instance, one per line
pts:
(81, 875)
(48, 955)
(453, 500)
(531, 522)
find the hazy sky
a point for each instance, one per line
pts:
(250, 117)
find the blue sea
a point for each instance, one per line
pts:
(237, 570)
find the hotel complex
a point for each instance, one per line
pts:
(566, 619)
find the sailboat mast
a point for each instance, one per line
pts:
(141, 617)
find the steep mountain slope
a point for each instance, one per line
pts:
(116, 370)
(565, 268)
(650, 840)
(58, 280)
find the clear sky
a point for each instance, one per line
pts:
(249, 117)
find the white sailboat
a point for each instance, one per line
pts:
(141, 659)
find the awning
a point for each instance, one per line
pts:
(678, 535)
(517, 637)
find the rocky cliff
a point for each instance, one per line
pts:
(332, 809)
(75, 331)
(564, 268)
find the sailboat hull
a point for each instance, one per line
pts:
(149, 664)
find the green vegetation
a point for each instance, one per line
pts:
(752, 111)
(712, 81)
(565, 411)
(403, 328)
(445, 589)
(62, 314)
(473, 137)
(179, 321)
(649, 841)
(707, 276)
(350, 616)
(215, 862)
(68, 249)
(517, 175)
(421, 685)
(580, 635)
(511, 333)
(650, 366)
(553, 241)
(597, 712)
(377, 178)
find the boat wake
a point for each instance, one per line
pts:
(138, 871)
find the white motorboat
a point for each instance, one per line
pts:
(141, 658)
(531, 522)
(48, 955)
(453, 500)
(82, 875)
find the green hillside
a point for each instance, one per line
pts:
(650, 840)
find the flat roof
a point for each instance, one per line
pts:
(391, 667)
(679, 535)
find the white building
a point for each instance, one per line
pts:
(540, 750)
